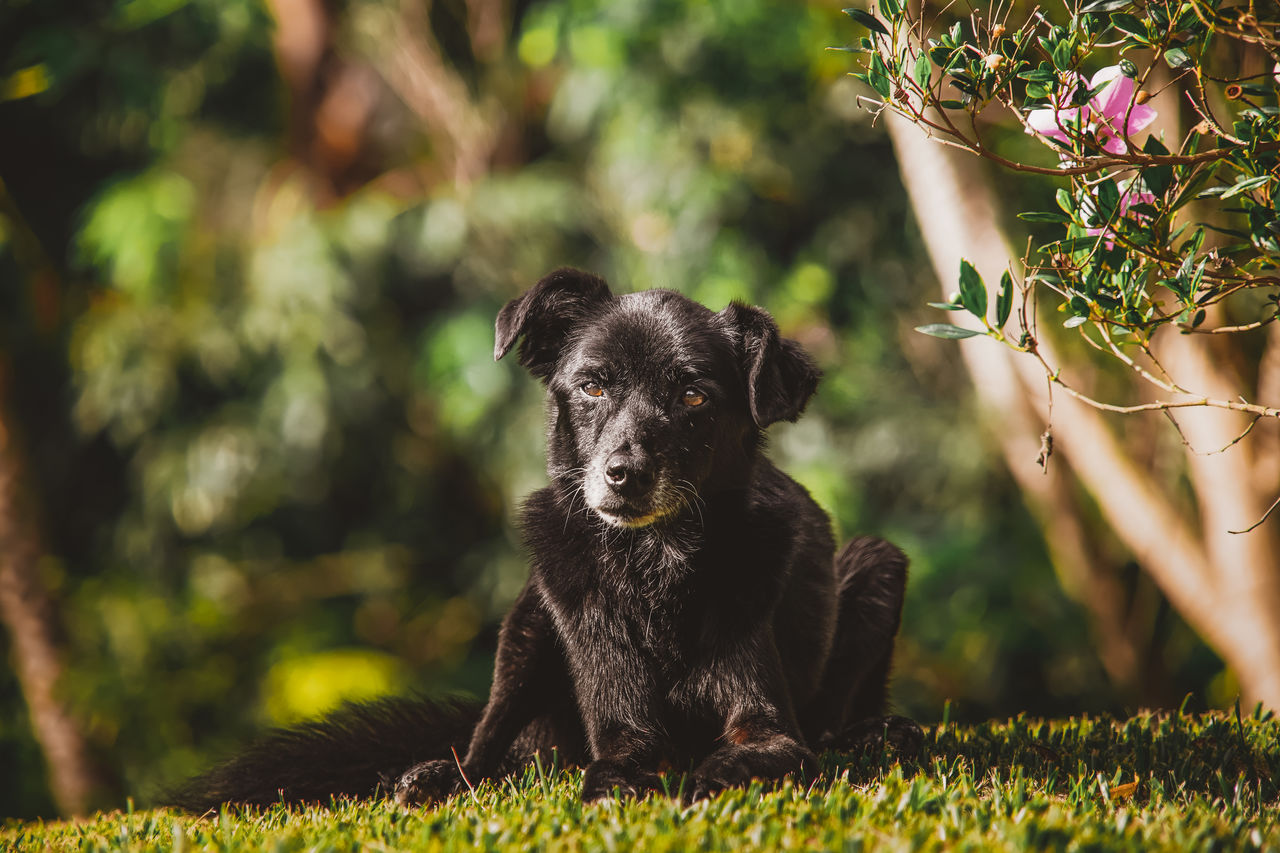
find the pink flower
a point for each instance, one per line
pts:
(1111, 115)
(1129, 196)
(1054, 121)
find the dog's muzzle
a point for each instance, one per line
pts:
(629, 490)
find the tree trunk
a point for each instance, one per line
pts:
(1228, 590)
(28, 612)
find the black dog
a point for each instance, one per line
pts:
(684, 606)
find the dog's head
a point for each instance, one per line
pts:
(657, 401)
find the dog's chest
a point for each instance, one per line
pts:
(650, 593)
(652, 587)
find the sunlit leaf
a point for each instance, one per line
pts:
(973, 293)
(1004, 300)
(922, 69)
(948, 331)
(867, 20)
(1044, 216)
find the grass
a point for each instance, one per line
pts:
(1153, 782)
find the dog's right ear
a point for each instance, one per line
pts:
(544, 316)
(781, 377)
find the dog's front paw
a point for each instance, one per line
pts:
(602, 778)
(737, 766)
(901, 733)
(718, 773)
(428, 782)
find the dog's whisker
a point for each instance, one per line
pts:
(686, 490)
(574, 494)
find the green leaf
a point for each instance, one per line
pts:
(973, 293)
(948, 331)
(951, 104)
(1106, 5)
(1129, 24)
(922, 69)
(1192, 246)
(890, 8)
(1195, 281)
(867, 20)
(946, 306)
(1077, 244)
(878, 76)
(1062, 55)
(1177, 58)
(1077, 320)
(1157, 178)
(1230, 232)
(1004, 299)
(1108, 198)
(1191, 190)
(1245, 186)
(1154, 146)
(1044, 216)
(941, 55)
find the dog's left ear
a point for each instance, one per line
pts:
(544, 316)
(781, 377)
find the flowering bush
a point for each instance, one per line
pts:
(1108, 119)
(1177, 229)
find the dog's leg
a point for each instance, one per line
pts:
(529, 679)
(848, 710)
(624, 756)
(617, 697)
(761, 740)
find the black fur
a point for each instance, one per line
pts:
(683, 607)
(354, 752)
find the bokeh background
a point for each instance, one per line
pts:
(254, 441)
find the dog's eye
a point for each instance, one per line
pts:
(592, 389)
(693, 397)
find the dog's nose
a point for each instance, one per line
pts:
(628, 475)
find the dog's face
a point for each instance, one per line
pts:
(658, 402)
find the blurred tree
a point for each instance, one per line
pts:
(269, 446)
(29, 615)
(1192, 540)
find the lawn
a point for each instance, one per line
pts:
(1152, 782)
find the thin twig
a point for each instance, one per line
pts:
(1274, 504)
(1233, 442)
(1157, 406)
(1227, 330)
(1171, 387)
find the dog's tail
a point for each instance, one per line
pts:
(357, 751)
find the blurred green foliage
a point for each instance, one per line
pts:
(273, 460)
